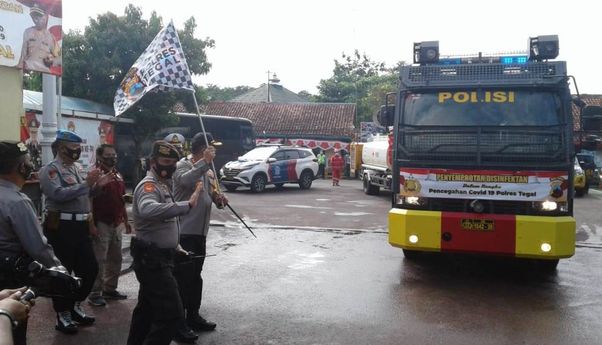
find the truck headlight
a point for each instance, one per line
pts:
(410, 200)
(413, 200)
(549, 206)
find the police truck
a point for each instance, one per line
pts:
(483, 154)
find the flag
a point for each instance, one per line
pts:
(161, 66)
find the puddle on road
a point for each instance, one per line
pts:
(589, 233)
(352, 214)
(306, 260)
(307, 206)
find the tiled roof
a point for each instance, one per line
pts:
(305, 119)
(278, 94)
(589, 100)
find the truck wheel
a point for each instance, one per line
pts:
(305, 180)
(231, 188)
(411, 254)
(586, 191)
(258, 183)
(369, 188)
(579, 192)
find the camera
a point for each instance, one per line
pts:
(42, 281)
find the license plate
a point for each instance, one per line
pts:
(478, 224)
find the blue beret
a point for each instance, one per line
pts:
(69, 136)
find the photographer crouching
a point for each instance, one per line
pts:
(21, 237)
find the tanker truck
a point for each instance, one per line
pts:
(376, 164)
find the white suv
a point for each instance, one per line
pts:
(275, 165)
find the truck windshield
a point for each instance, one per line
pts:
(482, 108)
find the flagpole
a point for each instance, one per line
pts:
(198, 112)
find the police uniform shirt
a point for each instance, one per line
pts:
(196, 222)
(64, 187)
(38, 45)
(20, 230)
(155, 212)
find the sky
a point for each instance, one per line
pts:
(299, 40)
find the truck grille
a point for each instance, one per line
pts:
(491, 206)
(481, 146)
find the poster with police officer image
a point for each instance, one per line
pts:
(31, 35)
(93, 132)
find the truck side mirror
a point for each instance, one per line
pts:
(385, 116)
(592, 118)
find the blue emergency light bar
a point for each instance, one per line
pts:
(506, 60)
(520, 59)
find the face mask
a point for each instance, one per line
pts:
(26, 171)
(109, 162)
(73, 154)
(165, 171)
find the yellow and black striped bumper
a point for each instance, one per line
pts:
(513, 235)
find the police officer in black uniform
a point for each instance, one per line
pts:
(159, 311)
(21, 235)
(66, 225)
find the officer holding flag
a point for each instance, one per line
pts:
(159, 311)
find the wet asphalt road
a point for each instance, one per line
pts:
(321, 272)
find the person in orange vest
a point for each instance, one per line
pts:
(336, 163)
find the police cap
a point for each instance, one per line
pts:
(199, 140)
(68, 136)
(37, 10)
(10, 150)
(162, 148)
(176, 139)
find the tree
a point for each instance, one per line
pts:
(96, 61)
(357, 79)
(32, 81)
(308, 96)
(209, 93)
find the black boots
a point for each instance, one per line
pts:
(79, 315)
(185, 335)
(199, 324)
(65, 323)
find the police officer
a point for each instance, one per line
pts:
(20, 230)
(194, 228)
(159, 310)
(66, 225)
(40, 49)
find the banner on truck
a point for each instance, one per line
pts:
(484, 184)
(31, 35)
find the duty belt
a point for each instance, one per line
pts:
(80, 217)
